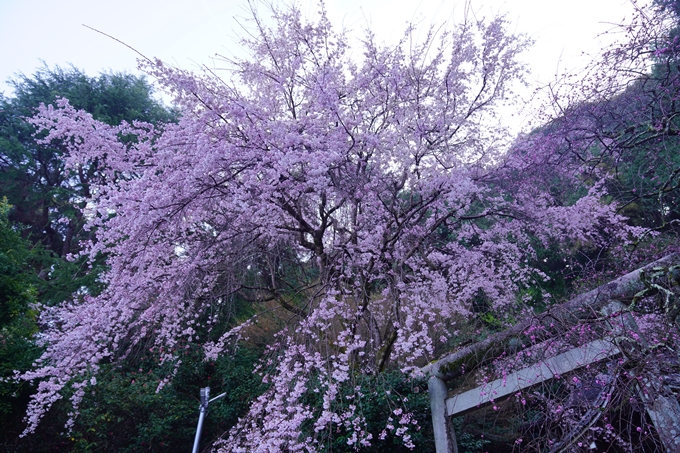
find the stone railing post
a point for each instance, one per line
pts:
(444, 437)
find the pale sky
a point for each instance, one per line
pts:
(189, 32)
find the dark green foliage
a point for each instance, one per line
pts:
(65, 278)
(469, 439)
(646, 168)
(124, 413)
(16, 290)
(17, 319)
(386, 398)
(392, 391)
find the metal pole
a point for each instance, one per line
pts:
(203, 408)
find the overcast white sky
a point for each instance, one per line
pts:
(189, 32)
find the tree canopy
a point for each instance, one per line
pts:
(363, 196)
